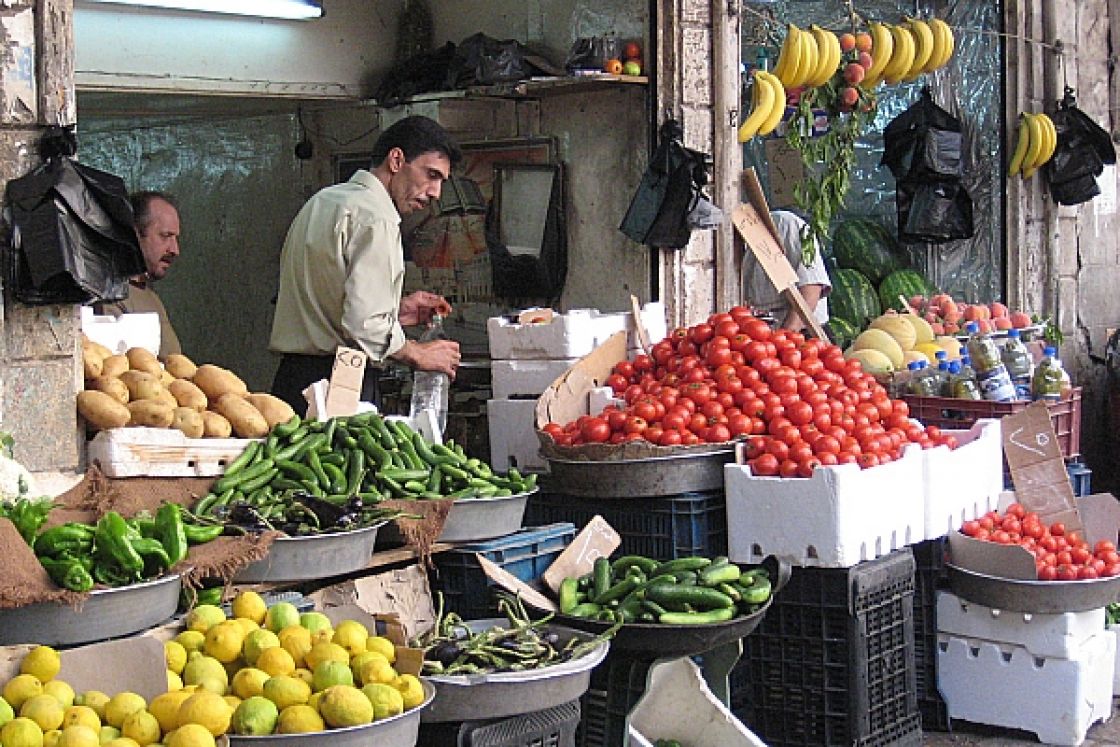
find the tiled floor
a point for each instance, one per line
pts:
(1106, 734)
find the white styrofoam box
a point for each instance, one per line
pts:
(522, 378)
(1005, 685)
(162, 452)
(119, 333)
(513, 435)
(963, 483)
(1115, 630)
(841, 516)
(677, 704)
(600, 397)
(1052, 635)
(571, 335)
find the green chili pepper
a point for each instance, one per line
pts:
(198, 534)
(68, 572)
(65, 537)
(151, 551)
(171, 533)
(111, 543)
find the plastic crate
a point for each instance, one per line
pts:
(552, 727)
(1080, 477)
(659, 528)
(833, 661)
(616, 687)
(957, 414)
(526, 554)
(929, 577)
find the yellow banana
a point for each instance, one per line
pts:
(943, 44)
(796, 52)
(826, 41)
(779, 108)
(1051, 137)
(903, 54)
(810, 55)
(923, 36)
(789, 51)
(882, 47)
(1035, 144)
(762, 104)
(1020, 146)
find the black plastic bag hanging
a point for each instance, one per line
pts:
(72, 237)
(933, 212)
(924, 142)
(1083, 149)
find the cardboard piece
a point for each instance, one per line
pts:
(346, 381)
(1037, 468)
(403, 592)
(135, 664)
(514, 585)
(409, 660)
(597, 539)
(786, 170)
(567, 398)
(639, 327)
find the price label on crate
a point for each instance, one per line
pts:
(1041, 480)
(597, 540)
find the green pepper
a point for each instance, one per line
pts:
(68, 572)
(154, 557)
(110, 574)
(28, 516)
(198, 534)
(171, 533)
(111, 543)
(64, 537)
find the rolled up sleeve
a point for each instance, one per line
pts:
(372, 290)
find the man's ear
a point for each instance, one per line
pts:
(395, 160)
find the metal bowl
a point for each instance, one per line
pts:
(312, 557)
(503, 694)
(640, 478)
(106, 613)
(1038, 597)
(475, 519)
(397, 731)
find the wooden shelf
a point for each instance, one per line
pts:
(558, 86)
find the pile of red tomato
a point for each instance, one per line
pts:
(796, 402)
(1058, 555)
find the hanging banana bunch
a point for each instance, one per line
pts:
(768, 104)
(1037, 141)
(902, 52)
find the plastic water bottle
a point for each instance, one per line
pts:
(1049, 377)
(991, 375)
(1017, 359)
(960, 385)
(966, 368)
(944, 384)
(922, 382)
(430, 389)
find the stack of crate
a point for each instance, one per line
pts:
(525, 358)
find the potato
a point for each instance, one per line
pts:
(141, 385)
(141, 359)
(215, 381)
(95, 348)
(151, 413)
(274, 409)
(102, 411)
(165, 377)
(188, 421)
(112, 386)
(167, 398)
(180, 366)
(246, 420)
(114, 365)
(188, 395)
(215, 426)
(92, 365)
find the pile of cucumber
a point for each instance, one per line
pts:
(685, 591)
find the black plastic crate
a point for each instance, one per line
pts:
(616, 687)
(552, 727)
(660, 528)
(929, 577)
(467, 590)
(833, 661)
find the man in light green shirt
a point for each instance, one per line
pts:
(342, 267)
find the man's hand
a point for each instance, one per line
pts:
(437, 355)
(418, 308)
(812, 294)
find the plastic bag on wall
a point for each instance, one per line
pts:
(933, 212)
(924, 142)
(1084, 147)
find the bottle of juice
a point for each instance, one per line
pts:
(941, 376)
(1049, 377)
(960, 385)
(922, 383)
(991, 375)
(1017, 359)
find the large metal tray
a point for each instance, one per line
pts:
(475, 519)
(312, 557)
(106, 613)
(640, 478)
(398, 731)
(1038, 597)
(504, 694)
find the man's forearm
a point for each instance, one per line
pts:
(812, 295)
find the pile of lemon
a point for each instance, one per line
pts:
(266, 670)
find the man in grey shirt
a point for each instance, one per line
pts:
(812, 279)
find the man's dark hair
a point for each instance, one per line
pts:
(142, 207)
(415, 136)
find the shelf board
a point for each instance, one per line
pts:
(558, 86)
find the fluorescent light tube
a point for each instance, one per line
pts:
(290, 9)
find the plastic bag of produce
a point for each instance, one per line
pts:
(924, 142)
(1083, 150)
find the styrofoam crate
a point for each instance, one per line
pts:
(840, 516)
(513, 435)
(1051, 635)
(162, 452)
(525, 378)
(600, 397)
(679, 705)
(570, 335)
(1115, 629)
(119, 333)
(1005, 685)
(964, 483)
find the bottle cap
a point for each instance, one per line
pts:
(954, 367)
(1051, 351)
(941, 355)
(943, 366)
(1013, 333)
(914, 365)
(972, 327)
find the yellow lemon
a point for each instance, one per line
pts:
(208, 710)
(379, 644)
(21, 732)
(60, 691)
(329, 673)
(385, 699)
(79, 736)
(255, 716)
(256, 642)
(20, 688)
(325, 652)
(359, 661)
(142, 728)
(352, 636)
(276, 661)
(81, 716)
(121, 706)
(175, 655)
(299, 719)
(191, 640)
(50, 738)
(304, 674)
(315, 621)
(343, 705)
(43, 710)
(249, 682)
(250, 605)
(247, 626)
(7, 713)
(108, 734)
(94, 699)
(119, 742)
(223, 641)
(232, 701)
(165, 708)
(201, 668)
(204, 616)
(322, 636)
(174, 681)
(313, 701)
(285, 691)
(296, 641)
(377, 671)
(190, 735)
(280, 616)
(411, 690)
(42, 662)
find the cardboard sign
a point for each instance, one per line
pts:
(786, 170)
(346, 382)
(135, 664)
(598, 539)
(1037, 469)
(567, 398)
(514, 585)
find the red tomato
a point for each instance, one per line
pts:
(700, 334)
(616, 420)
(670, 437)
(595, 430)
(779, 449)
(718, 433)
(1049, 573)
(636, 424)
(643, 363)
(788, 468)
(765, 465)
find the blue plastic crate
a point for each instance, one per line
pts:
(525, 554)
(660, 528)
(1080, 477)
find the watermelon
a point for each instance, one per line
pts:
(840, 331)
(853, 298)
(864, 245)
(906, 283)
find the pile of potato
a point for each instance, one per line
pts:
(135, 389)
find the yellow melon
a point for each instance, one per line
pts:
(929, 349)
(873, 362)
(950, 345)
(877, 339)
(897, 327)
(922, 331)
(915, 355)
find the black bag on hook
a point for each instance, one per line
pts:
(924, 142)
(1084, 147)
(933, 212)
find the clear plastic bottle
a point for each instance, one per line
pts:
(991, 374)
(430, 389)
(1049, 376)
(966, 368)
(944, 384)
(1017, 359)
(922, 382)
(961, 385)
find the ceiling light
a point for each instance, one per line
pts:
(291, 9)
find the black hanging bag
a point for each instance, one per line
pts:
(1083, 149)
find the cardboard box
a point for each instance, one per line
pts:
(136, 664)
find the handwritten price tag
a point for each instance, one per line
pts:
(597, 540)
(346, 381)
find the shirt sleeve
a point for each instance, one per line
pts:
(370, 306)
(814, 273)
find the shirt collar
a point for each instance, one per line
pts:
(365, 179)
